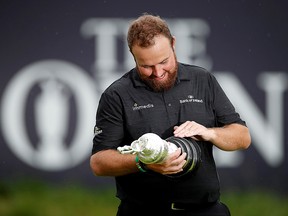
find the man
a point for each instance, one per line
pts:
(168, 98)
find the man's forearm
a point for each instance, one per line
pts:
(231, 137)
(112, 163)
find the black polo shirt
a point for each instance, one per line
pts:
(128, 109)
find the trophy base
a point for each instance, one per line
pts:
(193, 158)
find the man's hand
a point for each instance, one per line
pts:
(173, 164)
(230, 137)
(194, 130)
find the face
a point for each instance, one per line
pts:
(157, 65)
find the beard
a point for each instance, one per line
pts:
(161, 86)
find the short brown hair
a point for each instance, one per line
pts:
(143, 30)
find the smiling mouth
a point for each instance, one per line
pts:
(159, 77)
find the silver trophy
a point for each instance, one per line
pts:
(150, 148)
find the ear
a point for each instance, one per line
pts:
(173, 43)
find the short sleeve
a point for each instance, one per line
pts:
(108, 131)
(224, 109)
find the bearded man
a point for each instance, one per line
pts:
(168, 98)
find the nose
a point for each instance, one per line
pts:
(157, 71)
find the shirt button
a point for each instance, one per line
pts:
(169, 104)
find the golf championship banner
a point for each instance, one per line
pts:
(57, 57)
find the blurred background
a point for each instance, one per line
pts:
(57, 57)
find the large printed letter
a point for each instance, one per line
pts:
(267, 134)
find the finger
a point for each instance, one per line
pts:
(186, 129)
(174, 155)
(180, 132)
(190, 130)
(175, 169)
(177, 162)
(182, 164)
(182, 126)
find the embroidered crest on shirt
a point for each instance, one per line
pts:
(140, 107)
(97, 130)
(190, 99)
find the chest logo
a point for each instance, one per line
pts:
(190, 99)
(140, 107)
